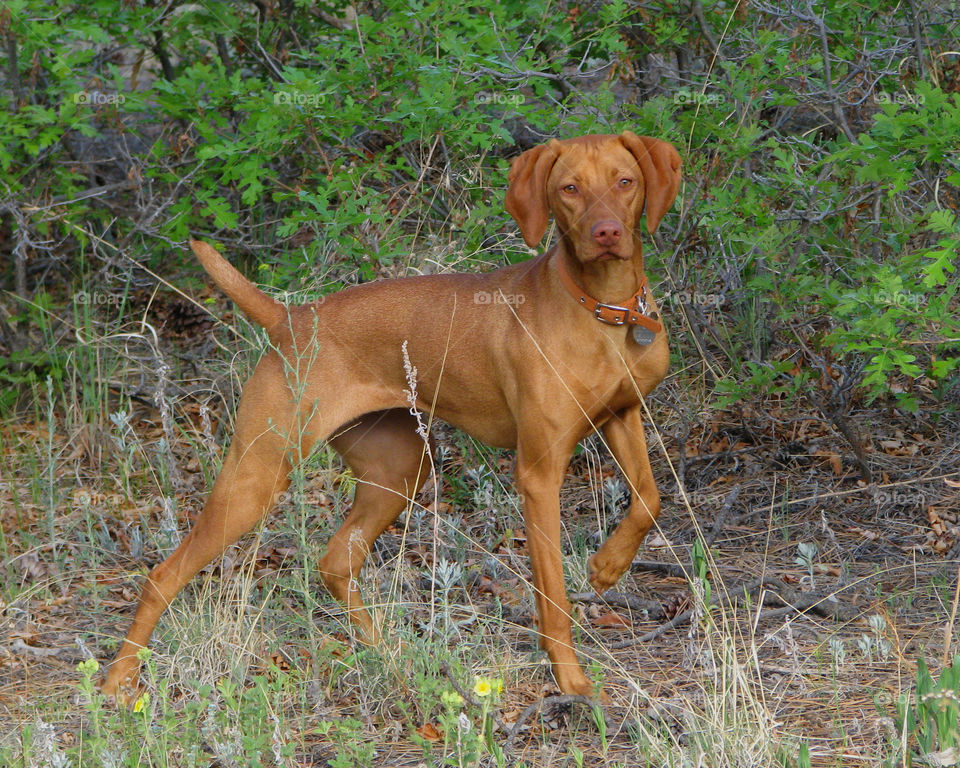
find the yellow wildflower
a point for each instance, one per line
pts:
(482, 687)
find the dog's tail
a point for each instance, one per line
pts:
(255, 303)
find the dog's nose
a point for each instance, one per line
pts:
(606, 233)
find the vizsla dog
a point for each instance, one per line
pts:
(533, 357)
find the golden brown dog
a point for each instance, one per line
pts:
(533, 357)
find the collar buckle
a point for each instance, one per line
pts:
(611, 314)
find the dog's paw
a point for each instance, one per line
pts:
(605, 571)
(120, 691)
(578, 684)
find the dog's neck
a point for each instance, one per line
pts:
(611, 281)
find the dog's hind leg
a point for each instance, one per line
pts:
(255, 471)
(389, 460)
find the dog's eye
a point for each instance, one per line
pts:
(570, 188)
(626, 182)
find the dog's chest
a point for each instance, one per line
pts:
(624, 370)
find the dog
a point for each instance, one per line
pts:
(532, 357)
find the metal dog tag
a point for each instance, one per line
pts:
(643, 336)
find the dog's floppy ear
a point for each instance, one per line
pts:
(660, 164)
(526, 198)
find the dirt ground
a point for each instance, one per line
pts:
(828, 586)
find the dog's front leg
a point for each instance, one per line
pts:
(539, 477)
(625, 438)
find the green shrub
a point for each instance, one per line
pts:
(927, 724)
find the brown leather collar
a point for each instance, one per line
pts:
(635, 313)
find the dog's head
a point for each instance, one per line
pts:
(597, 188)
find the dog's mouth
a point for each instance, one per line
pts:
(608, 256)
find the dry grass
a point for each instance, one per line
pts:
(732, 685)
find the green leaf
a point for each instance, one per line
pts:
(934, 271)
(942, 221)
(223, 216)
